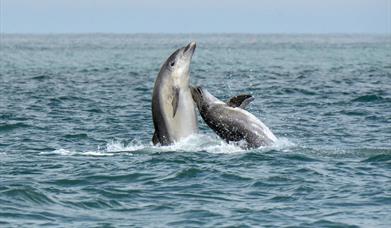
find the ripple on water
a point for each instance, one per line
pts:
(13, 126)
(379, 158)
(28, 195)
(370, 98)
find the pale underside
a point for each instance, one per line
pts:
(184, 122)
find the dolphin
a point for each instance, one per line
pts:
(173, 109)
(230, 121)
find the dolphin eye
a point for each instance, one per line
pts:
(172, 64)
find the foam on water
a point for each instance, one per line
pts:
(194, 143)
(117, 146)
(202, 142)
(66, 152)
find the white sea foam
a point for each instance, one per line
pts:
(202, 142)
(195, 143)
(283, 144)
(116, 146)
(66, 152)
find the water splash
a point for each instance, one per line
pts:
(194, 143)
(202, 142)
(117, 146)
(283, 144)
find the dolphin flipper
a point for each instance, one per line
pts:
(175, 100)
(240, 101)
(155, 139)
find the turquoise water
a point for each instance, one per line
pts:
(75, 131)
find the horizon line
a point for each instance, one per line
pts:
(197, 33)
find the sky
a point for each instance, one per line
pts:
(195, 16)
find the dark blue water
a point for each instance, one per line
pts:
(75, 131)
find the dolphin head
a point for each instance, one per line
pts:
(202, 97)
(177, 65)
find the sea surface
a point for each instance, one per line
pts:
(76, 128)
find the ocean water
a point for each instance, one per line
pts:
(75, 133)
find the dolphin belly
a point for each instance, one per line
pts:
(170, 128)
(184, 123)
(254, 131)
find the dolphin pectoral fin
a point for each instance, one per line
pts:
(240, 101)
(175, 100)
(155, 139)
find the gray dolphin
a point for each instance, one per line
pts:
(230, 121)
(173, 109)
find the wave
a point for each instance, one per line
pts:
(370, 98)
(12, 126)
(379, 158)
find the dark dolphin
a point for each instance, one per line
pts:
(230, 121)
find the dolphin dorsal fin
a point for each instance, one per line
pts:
(240, 101)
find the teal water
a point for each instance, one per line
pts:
(75, 131)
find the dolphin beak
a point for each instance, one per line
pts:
(190, 47)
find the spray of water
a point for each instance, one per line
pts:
(194, 143)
